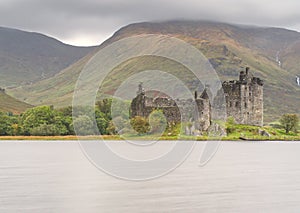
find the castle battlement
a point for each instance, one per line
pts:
(244, 102)
(244, 99)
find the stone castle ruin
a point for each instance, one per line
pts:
(243, 98)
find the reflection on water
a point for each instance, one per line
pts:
(242, 177)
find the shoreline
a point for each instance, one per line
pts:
(118, 138)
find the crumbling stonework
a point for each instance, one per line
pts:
(175, 111)
(243, 98)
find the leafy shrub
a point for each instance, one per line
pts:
(83, 125)
(157, 121)
(45, 130)
(289, 122)
(140, 124)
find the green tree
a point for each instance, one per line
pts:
(35, 117)
(5, 124)
(118, 125)
(104, 106)
(120, 108)
(83, 125)
(9, 124)
(157, 121)
(102, 121)
(67, 118)
(35, 120)
(230, 125)
(62, 124)
(15, 129)
(140, 124)
(45, 130)
(111, 129)
(289, 122)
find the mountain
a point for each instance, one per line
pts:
(10, 104)
(272, 53)
(27, 57)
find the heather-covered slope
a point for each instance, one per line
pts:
(230, 48)
(27, 57)
(10, 104)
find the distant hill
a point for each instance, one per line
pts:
(272, 53)
(10, 104)
(27, 57)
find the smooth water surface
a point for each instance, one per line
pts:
(242, 177)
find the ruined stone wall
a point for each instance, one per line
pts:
(233, 100)
(256, 105)
(143, 106)
(243, 98)
(172, 114)
(174, 111)
(204, 109)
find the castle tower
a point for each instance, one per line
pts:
(244, 99)
(138, 103)
(204, 110)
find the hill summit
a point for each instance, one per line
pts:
(272, 53)
(27, 57)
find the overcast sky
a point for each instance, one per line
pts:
(90, 22)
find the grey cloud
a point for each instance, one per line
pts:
(65, 19)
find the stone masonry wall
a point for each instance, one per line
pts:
(243, 98)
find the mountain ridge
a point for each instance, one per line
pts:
(26, 57)
(229, 48)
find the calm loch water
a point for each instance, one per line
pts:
(242, 177)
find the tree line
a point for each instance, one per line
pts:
(47, 121)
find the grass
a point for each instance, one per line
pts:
(248, 132)
(61, 138)
(228, 48)
(10, 104)
(235, 131)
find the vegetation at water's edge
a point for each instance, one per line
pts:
(274, 131)
(47, 123)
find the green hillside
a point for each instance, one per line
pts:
(27, 57)
(10, 104)
(230, 48)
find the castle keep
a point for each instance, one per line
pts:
(243, 98)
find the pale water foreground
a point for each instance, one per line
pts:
(242, 177)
